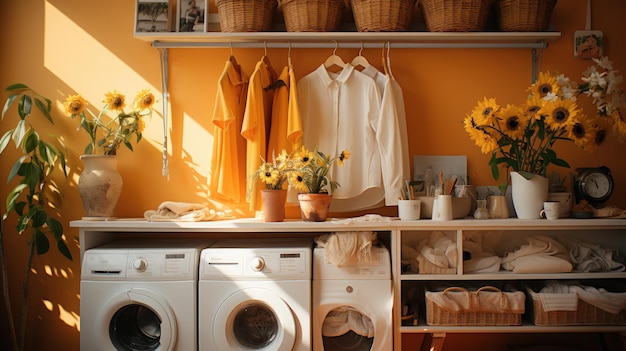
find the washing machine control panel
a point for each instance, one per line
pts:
(257, 263)
(140, 264)
(248, 263)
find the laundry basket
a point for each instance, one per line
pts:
(485, 306)
(455, 15)
(524, 15)
(382, 15)
(246, 15)
(312, 15)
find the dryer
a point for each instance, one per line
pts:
(140, 295)
(352, 305)
(255, 295)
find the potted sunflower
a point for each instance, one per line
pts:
(274, 175)
(100, 184)
(310, 177)
(522, 137)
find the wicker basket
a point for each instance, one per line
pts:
(524, 15)
(455, 15)
(312, 15)
(246, 15)
(486, 306)
(382, 15)
(586, 313)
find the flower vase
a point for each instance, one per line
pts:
(100, 186)
(528, 195)
(314, 207)
(497, 206)
(273, 205)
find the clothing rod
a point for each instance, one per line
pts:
(347, 45)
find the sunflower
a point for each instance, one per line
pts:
(296, 179)
(268, 174)
(115, 100)
(534, 107)
(144, 99)
(483, 113)
(582, 132)
(545, 86)
(560, 113)
(75, 105)
(480, 136)
(303, 156)
(515, 121)
(345, 154)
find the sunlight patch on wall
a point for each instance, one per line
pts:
(70, 318)
(91, 69)
(192, 132)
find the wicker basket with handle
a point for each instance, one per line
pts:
(524, 15)
(246, 15)
(382, 15)
(455, 15)
(312, 15)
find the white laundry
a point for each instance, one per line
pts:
(556, 296)
(436, 254)
(542, 255)
(342, 320)
(462, 300)
(588, 257)
(172, 211)
(483, 260)
(348, 248)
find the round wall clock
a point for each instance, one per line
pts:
(594, 184)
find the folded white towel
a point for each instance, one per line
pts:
(172, 211)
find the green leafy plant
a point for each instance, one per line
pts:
(310, 172)
(36, 197)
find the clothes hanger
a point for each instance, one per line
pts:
(360, 60)
(334, 59)
(383, 62)
(233, 60)
(289, 54)
(388, 61)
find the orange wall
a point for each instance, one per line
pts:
(62, 47)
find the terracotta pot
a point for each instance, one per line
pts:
(100, 186)
(273, 205)
(314, 207)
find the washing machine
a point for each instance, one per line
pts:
(352, 305)
(140, 295)
(255, 295)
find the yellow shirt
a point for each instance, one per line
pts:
(227, 178)
(286, 128)
(256, 123)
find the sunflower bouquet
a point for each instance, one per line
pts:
(310, 170)
(274, 174)
(522, 137)
(107, 135)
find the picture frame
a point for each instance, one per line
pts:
(588, 44)
(191, 16)
(152, 16)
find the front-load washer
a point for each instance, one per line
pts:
(352, 305)
(140, 295)
(255, 295)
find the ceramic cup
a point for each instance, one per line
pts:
(442, 208)
(409, 210)
(551, 210)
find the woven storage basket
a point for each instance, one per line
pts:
(586, 313)
(382, 15)
(246, 15)
(312, 15)
(486, 306)
(524, 15)
(455, 15)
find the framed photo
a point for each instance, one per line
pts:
(191, 15)
(152, 16)
(588, 44)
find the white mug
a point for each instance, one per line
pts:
(551, 210)
(442, 208)
(409, 210)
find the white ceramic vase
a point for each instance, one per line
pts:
(100, 186)
(528, 195)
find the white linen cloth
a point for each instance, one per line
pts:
(483, 259)
(542, 255)
(435, 254)
(341, 320)
(588, 257)
(556, 296)
(348, 248)
(172, 211)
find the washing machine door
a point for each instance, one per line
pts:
(139, 320)
(254, 319)
(347, 328)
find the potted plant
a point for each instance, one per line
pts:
(35, 199)
(522, 137)
(100, 184)
(310, 177)
(274, 175)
